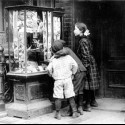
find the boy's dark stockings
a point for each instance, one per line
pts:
(87, 106)
(93, 102)
(58, 107)
(80, 104)
(89, 100)
(73, 107)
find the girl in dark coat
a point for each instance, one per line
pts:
(84, 52)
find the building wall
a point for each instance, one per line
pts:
(1, 17)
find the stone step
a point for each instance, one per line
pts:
(3, 114)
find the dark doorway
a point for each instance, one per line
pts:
(106, 22)
(89, 13)
(113, 30)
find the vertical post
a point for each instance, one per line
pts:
(1, 15)
(2, 65)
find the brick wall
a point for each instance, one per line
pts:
(68, 20)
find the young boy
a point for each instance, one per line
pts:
(79, 81)
(63, 69)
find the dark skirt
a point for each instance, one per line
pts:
(92, 79)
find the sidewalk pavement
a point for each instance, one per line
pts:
(109, 111)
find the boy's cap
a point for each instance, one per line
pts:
(62, 41)
(57, 45)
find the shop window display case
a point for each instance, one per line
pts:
(31, 32)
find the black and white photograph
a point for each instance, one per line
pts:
(62, 61)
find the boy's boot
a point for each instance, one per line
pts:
(68, 112)
(80, 104)
(58, 115)
(93, 102)
(75, 114)
(87, 106)
(58, 107)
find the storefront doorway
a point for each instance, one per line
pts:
(106, 22)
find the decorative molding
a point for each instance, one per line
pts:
(20, 92)
(116, 79)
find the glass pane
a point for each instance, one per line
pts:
(18, 43)
(57, 27)
(30, 53)
(45, 38)
(30, 38)
(49, 34)
(10, 31)
(34, 29)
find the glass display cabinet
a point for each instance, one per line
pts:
(31, 32)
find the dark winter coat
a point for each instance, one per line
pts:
(85, 54)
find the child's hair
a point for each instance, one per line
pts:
(81, 26)
(62, 41)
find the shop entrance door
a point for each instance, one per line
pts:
(106, 22)
(113, 39)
